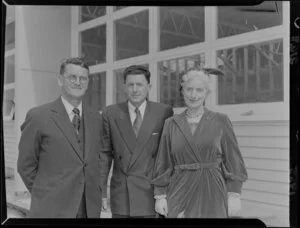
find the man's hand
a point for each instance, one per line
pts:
(161, 206)
(104, 204)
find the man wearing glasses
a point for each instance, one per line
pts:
(59, 151)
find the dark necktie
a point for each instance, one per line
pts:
(76, 119)
(137, 122)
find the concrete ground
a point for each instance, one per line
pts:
(18, 207)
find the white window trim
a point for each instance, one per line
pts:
(10, 52)
(260, 111)
(9, 86)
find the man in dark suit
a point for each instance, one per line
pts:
(59, 151)
(130, 137)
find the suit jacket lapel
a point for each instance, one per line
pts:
(125, 127)
(185, 129)
(63, 122)
(145, 131)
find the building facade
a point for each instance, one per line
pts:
(249, 43)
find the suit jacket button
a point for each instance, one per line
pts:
(120, 157)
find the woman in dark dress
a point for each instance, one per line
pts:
(199, 169)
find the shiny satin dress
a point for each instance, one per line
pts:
(197, 170)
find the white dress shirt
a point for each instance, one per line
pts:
(132, 112)
(69, 108)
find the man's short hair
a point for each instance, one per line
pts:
(137, 69)
(72, 60)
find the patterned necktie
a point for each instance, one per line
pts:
(137, 122)
(76, 119)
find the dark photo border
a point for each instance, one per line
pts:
(294, 127)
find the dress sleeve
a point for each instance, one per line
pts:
(163, 166)
(233, 165)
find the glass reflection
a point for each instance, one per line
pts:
(10, 36)
(253, 73)
(181, 26)
(88, 13)
(241, 19)
(116, 8)
(9, 70)
(132, 35)
(96, 93)
(93, 45)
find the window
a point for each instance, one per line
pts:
(96, 93)
(181, 26)
(253, 73)
(170, 73)
(249, 43)
(88, 13)
(132, 35)
(93, 45)
(119, 82)
(8, 105)
(116, 8)
(10, 36)
(9, 70)
(236, 20)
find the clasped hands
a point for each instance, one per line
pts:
(234, 204)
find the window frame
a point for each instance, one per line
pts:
(11, 52)
(210, 46)
(260, 111)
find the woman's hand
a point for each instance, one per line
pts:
(104, 204)
(161, 206)
(234, 204)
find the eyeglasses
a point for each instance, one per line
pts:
(73, 78)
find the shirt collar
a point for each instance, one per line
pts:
(69, 107)
(142, 107)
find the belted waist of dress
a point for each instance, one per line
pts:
(196, 166)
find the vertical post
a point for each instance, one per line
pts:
(234, 59)
(110, 54)
(245, 73)
(257, 71)
(271, 76)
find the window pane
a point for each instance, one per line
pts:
(119, 80)
(242, 19)
(9, 70)
(253, 73)
(87, 13)
(96, 93)
(181, 26)
(119, 7)
(170, 73)
(8, 104)
(93, 45)
(132, 35)
(10, 36)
